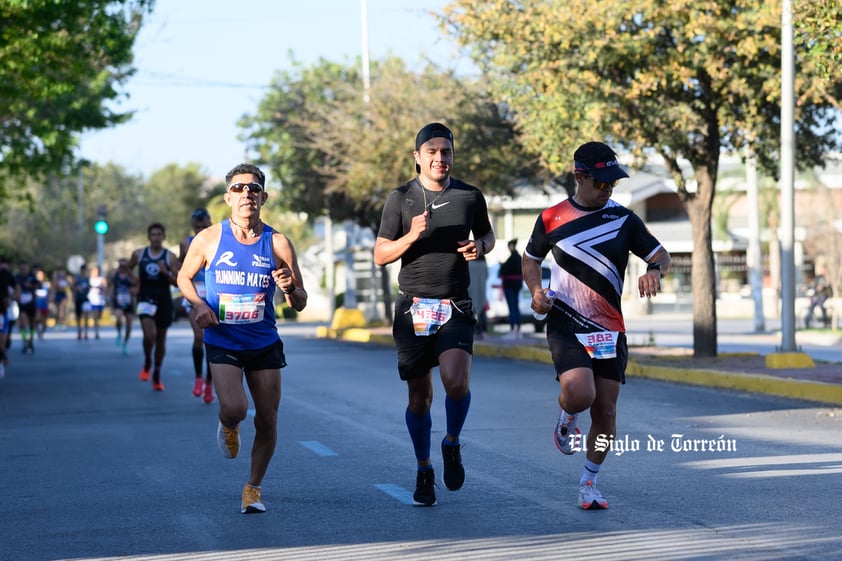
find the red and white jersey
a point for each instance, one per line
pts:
(590, 251)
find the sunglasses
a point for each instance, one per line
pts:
(603, 185)
(253, 188)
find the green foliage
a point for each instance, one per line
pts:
(172, 193)
(44, 225)
(818, 32)
(333, 151)
(686, 78)
(60, 65)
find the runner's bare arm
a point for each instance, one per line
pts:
(287, 274)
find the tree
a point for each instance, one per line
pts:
(685, 80)
(44, 226)
(172, 193)
(334, 153)
(818, 34)
(60, 65)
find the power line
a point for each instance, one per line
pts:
(157, 79)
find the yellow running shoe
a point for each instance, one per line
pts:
(251, 500)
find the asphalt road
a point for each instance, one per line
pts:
(95, 465)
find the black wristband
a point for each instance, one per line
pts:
(655, 267)
(290, 291)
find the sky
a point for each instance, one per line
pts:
(203, 64)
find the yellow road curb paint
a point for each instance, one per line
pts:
(754, 383)
(789, 360)
(344, 318)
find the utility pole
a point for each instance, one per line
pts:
(787, 181)
(755, 254)
(80, 205)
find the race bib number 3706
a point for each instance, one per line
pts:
(241, 308)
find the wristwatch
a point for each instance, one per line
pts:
(290, 291)
(655, 267)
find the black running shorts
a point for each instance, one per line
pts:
(267, 358)
(568, 353)
(417, 355)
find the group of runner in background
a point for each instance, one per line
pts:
(34, 300)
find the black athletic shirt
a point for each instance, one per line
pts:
(154, 284)
(8, 282)
(431, 267)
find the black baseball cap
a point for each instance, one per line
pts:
(200, 213)
(606, 171)
(428, 132)
(599, 161)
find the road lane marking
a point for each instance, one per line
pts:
(395, 491)
(317, 447)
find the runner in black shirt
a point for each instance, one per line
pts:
(427, 224)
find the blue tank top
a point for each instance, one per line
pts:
(199, 279)
(122, 290)
(241, 291)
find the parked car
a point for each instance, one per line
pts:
(497, 311)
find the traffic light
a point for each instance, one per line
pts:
(101, 224)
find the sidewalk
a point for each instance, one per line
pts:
(742, 370)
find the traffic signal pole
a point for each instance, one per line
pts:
(101, 228)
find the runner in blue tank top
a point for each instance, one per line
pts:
(199, 220)
(244, 261)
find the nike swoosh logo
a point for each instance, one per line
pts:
(435, 206)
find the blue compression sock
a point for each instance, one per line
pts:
(419, 431)
(457, 412)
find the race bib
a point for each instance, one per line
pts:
(241, 308)
(428, 314)
(602, 344)
(124, 299)
(25, 297)
(146, 308)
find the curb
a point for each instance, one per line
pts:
(818, 392)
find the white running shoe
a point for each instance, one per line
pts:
(567, 436)
(228, 440)
(590, 497)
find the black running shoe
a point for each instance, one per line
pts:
(454, 473)
(425, 489)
